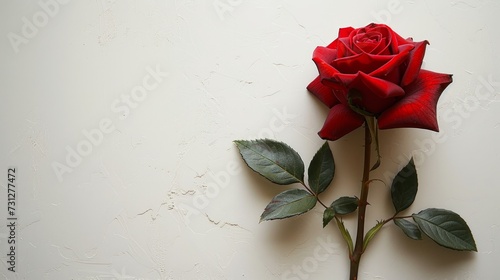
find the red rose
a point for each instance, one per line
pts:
(372, 70)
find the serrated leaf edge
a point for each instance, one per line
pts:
(239, 142)
(293, 215)
(449, 247)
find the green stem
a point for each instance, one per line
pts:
(396, 217)
(355, 258)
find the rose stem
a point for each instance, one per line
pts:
(358, 249)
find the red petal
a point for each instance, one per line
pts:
(418, 108)
(322, 92)
(340, 121)
(392, 64)
(376, 94)
(338, 83)
(362, 62)
(345, 31)
(388, 46)
(344, 48)
(331, 77)
(376, 65)
(326, 71)
(414, 63)
(381, 49)
(380, 88)
(366, 47)
(333, 45)
(326, 54)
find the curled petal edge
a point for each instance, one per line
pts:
(418, 108)
(322, 92)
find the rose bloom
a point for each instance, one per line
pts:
(372, 71)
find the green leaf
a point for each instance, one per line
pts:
(328, 215)
(321, 170)
(346, 235)
(274, 160)
(371, 233)
(446, 228)
(404, 187)
(410, 229)
(344, 205)
(288, 204)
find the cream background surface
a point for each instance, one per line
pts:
(162, 88)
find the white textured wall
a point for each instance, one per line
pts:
(163, 194)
